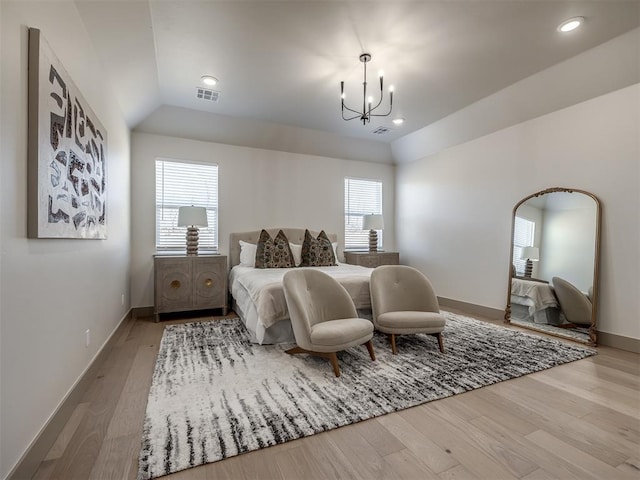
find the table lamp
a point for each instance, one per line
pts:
(372, 223)
(531, 254)
(192, 218)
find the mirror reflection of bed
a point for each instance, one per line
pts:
(536, 304)
(554, 271)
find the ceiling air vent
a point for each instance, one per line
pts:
(207, 94)
(381, 130)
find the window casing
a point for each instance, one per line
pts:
(361, 197)
(523, 236)
(181, 184)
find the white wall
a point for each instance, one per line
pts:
(454, 208)
(53, 290)
(257, 188)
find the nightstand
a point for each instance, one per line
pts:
(372, 259)
(189, 282)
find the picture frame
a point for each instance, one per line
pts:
(67, 153)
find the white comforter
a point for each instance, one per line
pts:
(541, 295)
(263, 288)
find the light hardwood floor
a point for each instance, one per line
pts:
(575, 421)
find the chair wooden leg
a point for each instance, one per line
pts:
(369, 345)
(440, 341)
(334, 362)
(296, 349)
(392, 337)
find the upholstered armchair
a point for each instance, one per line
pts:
(574, 304)
(404, 302)
(323, 316)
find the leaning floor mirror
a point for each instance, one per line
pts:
(555, 249)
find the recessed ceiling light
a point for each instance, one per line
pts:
(398, 121)
(571, 24)
(209, 80)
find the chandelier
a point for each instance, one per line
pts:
(367, 102)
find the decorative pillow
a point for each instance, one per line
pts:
(297, 253)
(248, 254)
(273, 253)
(317, 252)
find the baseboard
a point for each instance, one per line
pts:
(142, 312)
(472, 309)
(39, 448)
(618, 341)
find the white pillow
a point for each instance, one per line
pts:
(248, 254)
(296, 250)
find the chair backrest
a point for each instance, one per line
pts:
(574, 304)
(312, 297)
(397, 288)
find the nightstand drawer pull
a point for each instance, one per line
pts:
(208, 283)
(175, 284)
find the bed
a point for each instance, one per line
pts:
(258, 297)
(534, 301)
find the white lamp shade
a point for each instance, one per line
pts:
(192, 216)
(530, 253)
(372, 222)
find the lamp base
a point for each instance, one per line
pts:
(528, 269)
(192, 240)
(373, 241)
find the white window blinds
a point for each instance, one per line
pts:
(523, 235)
(181, 184)
(361, 197)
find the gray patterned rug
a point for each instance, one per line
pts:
(215, 395)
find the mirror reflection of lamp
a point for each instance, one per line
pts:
(531, 254)
(192, 218)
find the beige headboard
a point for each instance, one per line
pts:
(295, 235)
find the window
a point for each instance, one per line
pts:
(361, 197)
(523, 232)
(182, 184)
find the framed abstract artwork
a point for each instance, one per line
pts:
(67, 153)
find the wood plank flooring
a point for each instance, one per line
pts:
(576, 421)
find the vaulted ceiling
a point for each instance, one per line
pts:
(283, 61)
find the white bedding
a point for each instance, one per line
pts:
(259, 296)
(535, 295)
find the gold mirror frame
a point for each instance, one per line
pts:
(596, 262)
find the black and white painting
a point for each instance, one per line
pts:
(67, 153)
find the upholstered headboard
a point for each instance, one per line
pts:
(295, 235)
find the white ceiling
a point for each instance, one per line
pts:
(283, 61)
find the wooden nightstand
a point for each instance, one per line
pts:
(189, 282)
(372, 259)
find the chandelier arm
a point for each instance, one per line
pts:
(344, 107)
(381, 114)
(378, 104)
(350, 118)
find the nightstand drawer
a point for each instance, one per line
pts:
(372, 259)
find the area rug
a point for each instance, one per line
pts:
(215, 395)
